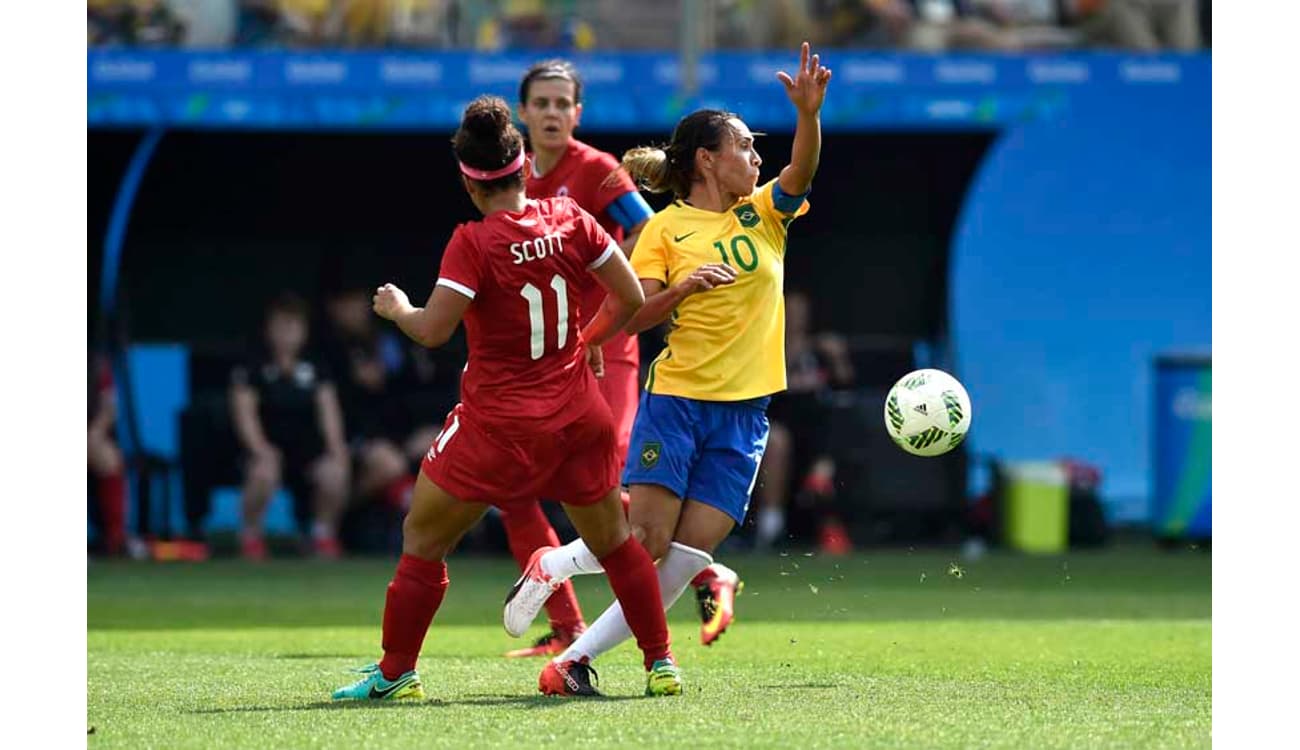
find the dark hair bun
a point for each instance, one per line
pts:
(486, 118)
(487, 139)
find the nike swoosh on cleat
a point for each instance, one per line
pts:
(684, 236)
(375, 692)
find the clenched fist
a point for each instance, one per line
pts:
(389, 301)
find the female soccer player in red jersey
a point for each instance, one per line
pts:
(550, 105)
(531, 422)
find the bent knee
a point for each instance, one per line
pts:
(383, 460)
(264, 472)
(331, 473)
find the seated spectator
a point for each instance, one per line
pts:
(153, 23)
(796, 447)
(366, 23)
(104, 459)
(308, 23)
(395, 395)
(1031, 24)
(937, 25)
(106, 23)
(530, 24)
(960, 24)
(1147, 25)
(425, 23)
(287, 419)
(257, 23)
(864, 23)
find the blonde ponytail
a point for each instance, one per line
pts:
(648, 167)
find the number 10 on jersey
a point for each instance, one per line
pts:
(537, 318)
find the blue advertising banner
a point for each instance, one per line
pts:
(625, 91)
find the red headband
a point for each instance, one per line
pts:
(482, 174)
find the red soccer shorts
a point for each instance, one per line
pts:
(577, 464)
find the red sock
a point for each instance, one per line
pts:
(112, 508)
(526, 530)
(704, 576)
(632, 575)
(414, 594)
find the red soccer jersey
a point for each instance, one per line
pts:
(527, 364)
(581, 174)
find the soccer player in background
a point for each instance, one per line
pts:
(531, 422)
(712, 261)
(550, 106)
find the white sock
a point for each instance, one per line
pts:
(573, 559)
(676, 569)
(771, 522)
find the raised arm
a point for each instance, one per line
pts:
(807, 91)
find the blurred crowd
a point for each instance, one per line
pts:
(490, 25)
(338, 24)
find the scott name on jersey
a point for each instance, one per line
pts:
(536, 249)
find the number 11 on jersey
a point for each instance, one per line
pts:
(537, 319)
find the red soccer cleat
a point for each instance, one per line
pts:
(716, 590)
(570, 678)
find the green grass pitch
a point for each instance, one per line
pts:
(883, 649)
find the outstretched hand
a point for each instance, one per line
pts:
(807, 90)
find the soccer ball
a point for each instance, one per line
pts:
(927, 412)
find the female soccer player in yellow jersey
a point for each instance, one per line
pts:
(712, 262)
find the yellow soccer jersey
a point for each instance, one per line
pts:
(728, 343)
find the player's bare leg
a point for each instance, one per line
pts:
(432, 528)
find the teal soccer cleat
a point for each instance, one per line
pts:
(373, 687)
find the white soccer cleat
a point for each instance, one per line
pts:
(529, 595)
